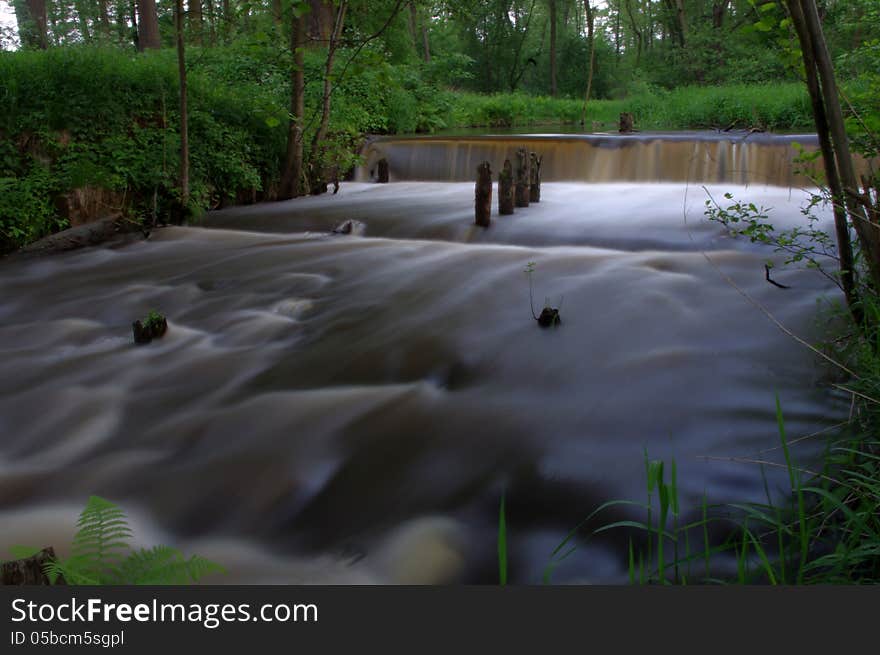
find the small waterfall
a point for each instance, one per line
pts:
(687, 157)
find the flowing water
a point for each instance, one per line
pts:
(347, 408)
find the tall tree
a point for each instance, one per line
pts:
(32, 23)
(317, 182)
(591, 37)
(553, 21)
(291, 180)
(184, 113)
(148, 25)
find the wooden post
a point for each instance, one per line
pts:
(483, 195)
(28, 571)
(382, 171)
(626, 123)
(505, 189)
(535, 177)
(522, 178)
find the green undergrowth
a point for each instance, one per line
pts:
(826, 531)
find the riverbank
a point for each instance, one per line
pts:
(88, 132)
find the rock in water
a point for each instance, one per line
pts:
(350, 227)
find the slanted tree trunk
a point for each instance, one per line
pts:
(184, 118)
(291, 181)
(148, 25)
(834, 143)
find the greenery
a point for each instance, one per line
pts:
(827, 532)
(101, 555)
(91, 103)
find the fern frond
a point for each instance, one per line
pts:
(163, 565)
(101, 541)
(75, 570)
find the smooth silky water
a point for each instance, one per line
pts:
(348, 409)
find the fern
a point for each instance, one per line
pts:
(163, 565)
(101, 554)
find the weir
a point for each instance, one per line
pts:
(698, 157)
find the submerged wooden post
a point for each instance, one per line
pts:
(483, 195)
(505, 189)
(382, 171)
(535, 178)
(522, 178)
(626, 123)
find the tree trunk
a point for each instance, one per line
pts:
(196, 19)
(104, 17)
(316, 174)
(868, 233)
(277, 13)
(148, 25)
(592, 39)
(293, 162)
(184, 127)
(32, 23)
(553, 87)
(841, 227)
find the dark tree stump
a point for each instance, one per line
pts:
(535, 177)
(483, 195)
(28, 571)
(626, 123)
(505, 189)
(145, 332)
(382, 171)
(522, 178)
(549, 317)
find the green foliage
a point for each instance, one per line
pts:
(153, 319)
(101, 555)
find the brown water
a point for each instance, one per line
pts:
(331, 408)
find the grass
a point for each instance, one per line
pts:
(826, 532)
(779, 107)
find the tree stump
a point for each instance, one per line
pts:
(483, 195)
(535, 177)
(626, 123)
(505, 189)
(382, 171)
(522, 178)
(28, 571)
